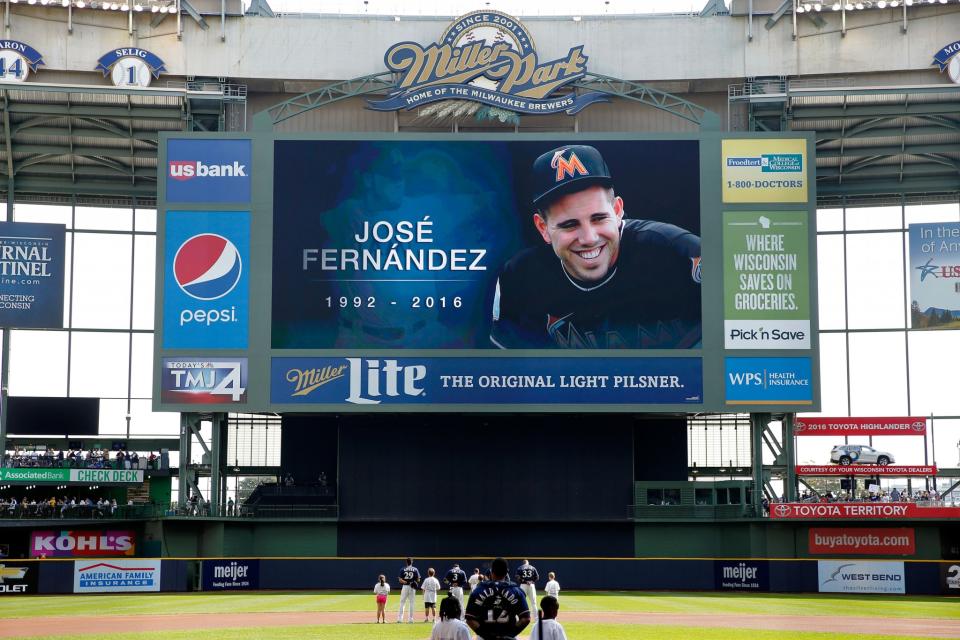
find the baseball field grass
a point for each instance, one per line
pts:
(586, 616)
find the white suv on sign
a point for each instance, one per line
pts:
(859, 454)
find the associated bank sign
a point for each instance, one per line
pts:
(487, 57)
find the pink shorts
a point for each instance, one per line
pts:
(382, 598)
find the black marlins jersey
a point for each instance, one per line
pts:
(649, 300)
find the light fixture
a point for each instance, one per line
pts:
(81, 4)
(138, 7)
(882, 4)
(114, 6)
(31, 1)
(800, 8)
(577, 18)
(44, 2)
(154, 9)
(836, 6)
(124, 7)
(818, 7)
(859, 5)
(894, 4)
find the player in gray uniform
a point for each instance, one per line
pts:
(527, 577)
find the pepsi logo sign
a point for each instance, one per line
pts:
(207, 266)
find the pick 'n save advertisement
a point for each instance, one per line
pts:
(845, 576)
(32, 259)
(88, 543)
(116, 576)
(765, 170)
(206, 300)
(766, 283)
(935, 275)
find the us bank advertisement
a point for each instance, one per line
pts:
(32, 259)
(935, 275)
(766, 280)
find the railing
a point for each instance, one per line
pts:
(690, 511)
(81, 512)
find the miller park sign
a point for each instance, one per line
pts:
(485, 57)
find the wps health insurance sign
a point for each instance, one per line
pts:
(116, 576)
(838, 576)
(766, 280)
(31, 274)
(769, 381)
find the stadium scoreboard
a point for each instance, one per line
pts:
(351, 272)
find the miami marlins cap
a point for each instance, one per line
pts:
(565, 170)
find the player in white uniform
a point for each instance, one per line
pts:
(410, 579)
(552, 588)
(527, 577)
(548, 628)
(456, 579)
(430, 587)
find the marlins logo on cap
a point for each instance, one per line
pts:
(567, 169)
(207, 266)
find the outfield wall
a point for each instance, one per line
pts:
(654, 574)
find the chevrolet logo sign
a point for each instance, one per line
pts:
(12, 574)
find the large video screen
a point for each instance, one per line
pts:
(603, 272)
(440, 245)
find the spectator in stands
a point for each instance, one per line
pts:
(231, 507)
(288, 480)
(134, 460)
(152, 461)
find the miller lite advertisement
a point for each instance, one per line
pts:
(31, 275)
(206, 275)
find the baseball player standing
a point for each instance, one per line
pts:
(410, 579)
(527, 577)
(497, 609)
(456, 579)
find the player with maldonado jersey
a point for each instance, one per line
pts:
(600, 281)
(497, 609)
